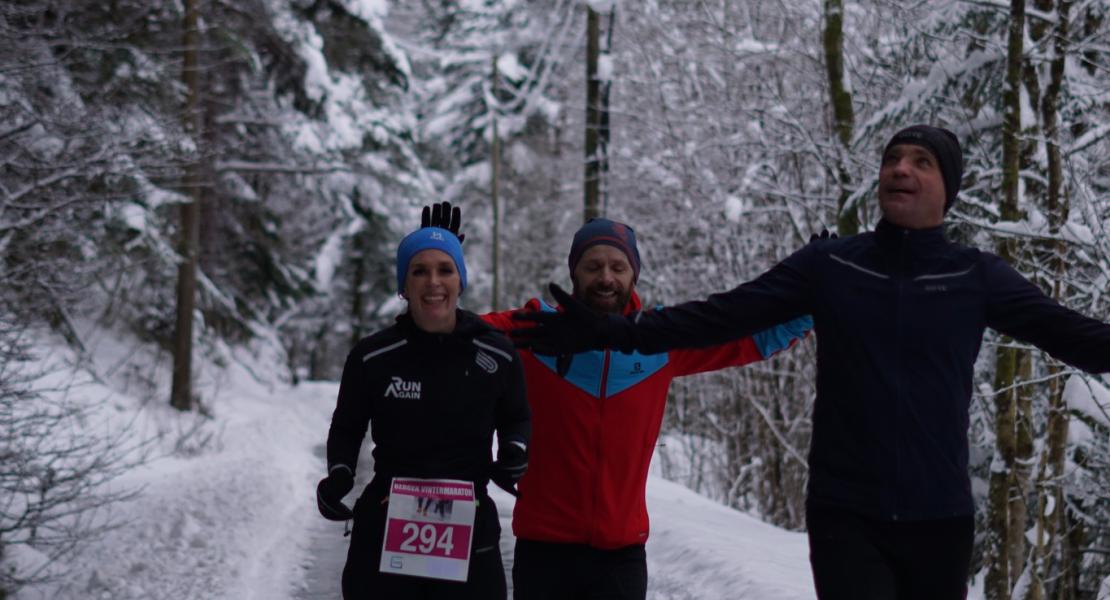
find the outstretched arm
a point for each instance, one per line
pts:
(1018, 308)
(502, 321)
(779, 295)
(761, 346)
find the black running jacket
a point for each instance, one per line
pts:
(899, 316)
(432, 402)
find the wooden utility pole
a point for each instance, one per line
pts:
(593, 117)
(606, 86)
(181, 394)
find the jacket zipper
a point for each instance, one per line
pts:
(598, 440)
(900, 397)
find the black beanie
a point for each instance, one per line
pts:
(944, 146)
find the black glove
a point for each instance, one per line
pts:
(512, 462)
(443, 216)
(330, 492)
(824, 235)
(575, 329)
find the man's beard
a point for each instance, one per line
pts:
(610, 305)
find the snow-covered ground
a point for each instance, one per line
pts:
(224, 500)
(233, 514)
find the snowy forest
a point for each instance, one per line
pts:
(198, 187)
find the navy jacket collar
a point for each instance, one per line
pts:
(893, 238)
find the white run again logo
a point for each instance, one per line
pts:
(488, 364)
(399, 388)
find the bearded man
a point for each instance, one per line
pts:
(581, 517)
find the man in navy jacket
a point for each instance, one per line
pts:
(899, 315)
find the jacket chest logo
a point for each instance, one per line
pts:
(399, 388)
(486, 362)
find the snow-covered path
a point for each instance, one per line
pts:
(326, 551)
(696, 552)
(236, 519)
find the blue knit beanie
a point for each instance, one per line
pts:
(611, 233)
(429, 238)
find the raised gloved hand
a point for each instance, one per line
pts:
(330, 492)
(512, 462)
(443, 216)
(824, 235)
(575, 329)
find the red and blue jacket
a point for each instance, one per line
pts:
(594, 431)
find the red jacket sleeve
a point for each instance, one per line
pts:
(501, 321)
(688, 361)
(685, 361)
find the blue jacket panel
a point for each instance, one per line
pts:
(589, 369)
(626, 369)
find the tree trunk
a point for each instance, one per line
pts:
(997, 585)
(593, 117)
(359, 254)
(1020, 474)
(181, 395)
(847, 220)
(319, 356)
(494, 181)
(1004, 548)
(362, 247)
(1050, 497)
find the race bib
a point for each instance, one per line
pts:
(429, 528)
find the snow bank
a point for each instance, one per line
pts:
(701, 549)
(224, 502)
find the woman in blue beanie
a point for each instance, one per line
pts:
(432, 388)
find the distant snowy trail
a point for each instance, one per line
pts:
(327, 548)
